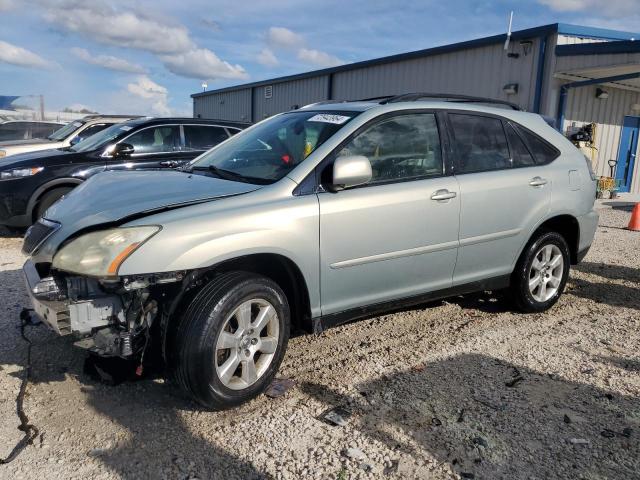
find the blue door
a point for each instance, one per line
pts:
(627, 152)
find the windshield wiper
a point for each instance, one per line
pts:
(229, 175)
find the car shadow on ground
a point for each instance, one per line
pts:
(624, 206)
(6, 233)
(488, 418)
(620, 296)
(157, 444)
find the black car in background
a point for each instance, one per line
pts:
(31, 182)
(27, 129)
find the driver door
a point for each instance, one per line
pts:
(154, 147)
(397, 236)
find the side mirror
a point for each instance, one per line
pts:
(350, 171)
(74, 140)
(122, 150)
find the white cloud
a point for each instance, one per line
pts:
(319, 58)
(6, 5)
(107, 61)
(283, 38)
(79, 107)
(267, 58)
(21, 57)
(203, 64)
(610, 9)
(104, 24)
(154, 97)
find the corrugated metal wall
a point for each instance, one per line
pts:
(234, 106)
(288, 95)
(481, 71)
(583, 107)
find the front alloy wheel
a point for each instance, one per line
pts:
(228, 345)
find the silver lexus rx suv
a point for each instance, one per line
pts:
(307, 220)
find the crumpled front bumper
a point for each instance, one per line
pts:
(54, 313)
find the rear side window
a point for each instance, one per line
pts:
(43, 130)
(14, 131)
(400, 148)
(480, 143)
(542, 151)
(202, 137)
(520, 155)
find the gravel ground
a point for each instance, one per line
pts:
(458, 389)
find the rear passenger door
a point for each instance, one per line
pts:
(503, 193)
(200, 138)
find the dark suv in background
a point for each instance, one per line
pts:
(31, 182)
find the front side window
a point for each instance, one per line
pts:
(160, 139)
(270, 150)
(400, 148)
(203, 137)
(480, 143)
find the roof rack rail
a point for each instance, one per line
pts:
(446, 97)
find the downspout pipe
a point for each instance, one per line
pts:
(564, 91)
(537, 99)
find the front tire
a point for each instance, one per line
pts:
(231, 340)
(541, 273)
(49, 199)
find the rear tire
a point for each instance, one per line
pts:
(228, 345)
(49, 199)
(541, 273)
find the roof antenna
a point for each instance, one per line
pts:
(506, 43)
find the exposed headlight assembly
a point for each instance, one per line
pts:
(20, 172)
(100, 254)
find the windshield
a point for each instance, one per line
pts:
(269, 151)
(102, 138)
(65, 131)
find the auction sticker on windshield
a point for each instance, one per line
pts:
(328, 118)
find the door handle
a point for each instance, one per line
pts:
(538, 182)
(443, 195)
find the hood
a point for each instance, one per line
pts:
(40, 158)
(110, 197)
(23, 143)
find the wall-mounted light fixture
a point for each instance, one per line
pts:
(510, 88)
(635, 107)
(601, 94)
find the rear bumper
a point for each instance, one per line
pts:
(588, 225)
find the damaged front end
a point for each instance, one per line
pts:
(111, 317)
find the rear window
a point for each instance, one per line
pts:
(203, 137)
(520, 154)
(542, 151)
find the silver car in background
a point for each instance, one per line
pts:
(307, 220)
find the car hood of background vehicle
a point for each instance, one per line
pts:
(22, 143)
(40, 158)
(110, 197)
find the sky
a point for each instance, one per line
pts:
(148, 56)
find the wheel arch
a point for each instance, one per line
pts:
(47, 187)
(279, 268)
(566, 225)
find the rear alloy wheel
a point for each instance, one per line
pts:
(541, 273)
(227, 347)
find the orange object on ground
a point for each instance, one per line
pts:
(634, 223)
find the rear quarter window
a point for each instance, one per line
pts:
(543, 152)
